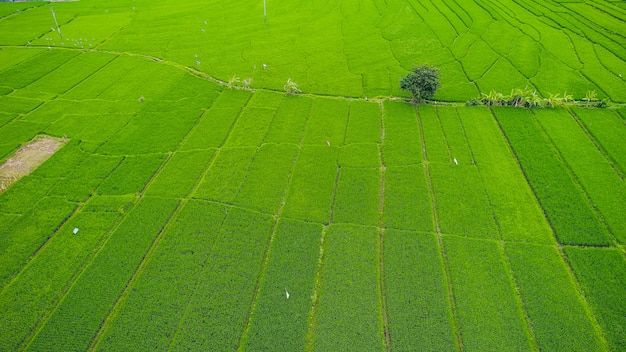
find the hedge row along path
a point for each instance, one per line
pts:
(184, 215)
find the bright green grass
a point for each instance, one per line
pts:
(280, 322)
(601, 273)
(391, 227)
(415, 288)
(349, 296)
(603, 185)
(184, 248)
(77, 319)
(555, 308)
(489, 313)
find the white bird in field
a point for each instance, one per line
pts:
(456, 162)
(287, 293)
(75, 230)
(328, 143)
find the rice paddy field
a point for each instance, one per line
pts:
(184, 215)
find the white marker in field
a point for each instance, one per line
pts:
(456, 162)
(328, 143)
(54, 16)
(286, 293)
(75, 230)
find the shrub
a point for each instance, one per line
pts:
(291, 87)
(422, 82)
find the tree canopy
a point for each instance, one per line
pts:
(422, 82)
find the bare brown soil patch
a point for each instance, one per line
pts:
(27, 159)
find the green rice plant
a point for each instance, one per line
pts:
(83, 181)
(266, 182)
(501, 35)
(553, 76)
(555, 308)
(607, 128)
(602, 275)
(609, 60)
(6, 117)
(23, 194)
(462, 206)
(357, 196)
(407, 202)
(98, 83)
(132, 175)
(250, 127)
(492, 79)
(146, 80)
(364, 123)
(180, 174)
(15, 56)
(63, 161)
(359, 155)
(218, 310)
(279, 320)
(24, 237)
(374, 75)
(489, 314)
(349, 293)
(562, 200)
(519, 216)
(455, 135)
(178, 260)
(187, 89)
(15, 105)
(525, 55)
(151, 133)
(94, 128)
(19, 132)
(402, 144)
(77, 319)
(35, 291)
(455, 84)
(212, 129)
(595, 174)
(289, 121)
(327, 122)
(89, 30)
(226, 174)
(434, 138)
(110, 204)
(27, 72)
(312, 186)
(416, 296)
(70, 73)
(266, 99)
(478, 58)
(462, 43)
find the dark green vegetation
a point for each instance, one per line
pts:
(209, 218)
(422, 82)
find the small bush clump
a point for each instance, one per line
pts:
(527, 98)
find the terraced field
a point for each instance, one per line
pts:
(183, 215)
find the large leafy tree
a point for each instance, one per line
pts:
(422, 82)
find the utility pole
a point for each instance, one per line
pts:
(57, 23)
